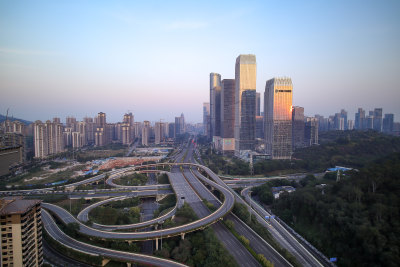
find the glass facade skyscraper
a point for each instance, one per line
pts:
(278, 117)
(228, 108)
(215, 104)
(245, 102)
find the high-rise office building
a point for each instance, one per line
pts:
(215, 94)
(338, 122)
(228, 116)
(145, 133)
(359, 122)
(278, 117)
(260, 127)
(159, 132)
(378, 119)
(343, 114)
(21, 232)
(245, 103)
(206, 118)
(350, 125)
(388, 121)
(171, 130)
(369, 122)
(228, 108)
(311, 131)
(258, 103)
(297, 127)
(179, 125)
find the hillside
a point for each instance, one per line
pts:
(349, 148)
(356, 220)
(3, 118)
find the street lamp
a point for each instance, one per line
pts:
(250, 203)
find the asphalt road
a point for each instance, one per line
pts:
(241, 255)
(282, 235)
(58, 235)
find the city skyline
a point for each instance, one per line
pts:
(154, 60)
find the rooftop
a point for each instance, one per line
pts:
(10, 205)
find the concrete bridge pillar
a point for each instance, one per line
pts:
(128, 264)
(183, 236)
(156, 243)
(104, 262)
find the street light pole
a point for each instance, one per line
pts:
(250, 203)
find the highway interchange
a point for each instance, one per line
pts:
(191, 183)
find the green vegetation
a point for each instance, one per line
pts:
(264, 192)
(75, 205)
(344, 148)
(356, 219)
(224, 165)
(209, 205)
(201, 248)
(132, 179)
(111, 244)
(117, 212)
(162, 179)
(183, 215)
(38, 176)
(51, 198)
(348, 148)
(92, 153)
(165, 204)
(246, 243)
(242, 212)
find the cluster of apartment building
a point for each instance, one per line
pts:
(235, 124)
(52, 137)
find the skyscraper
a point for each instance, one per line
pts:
(179, 125)
(215, 104)
(145, 133)
(228, 115)
(359, 121)
(278, 117)
(297, 127)
(206, 118)
(245, 103)
(48, 138)
(388, 123)
(258, 103)
(343, 114)
(159, 132)
(311, 131)
(378, 119)
(338, 122)
(101, 131)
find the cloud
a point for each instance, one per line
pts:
(24, 52)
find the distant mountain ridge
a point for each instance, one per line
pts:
(3, 118)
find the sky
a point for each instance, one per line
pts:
(153, 58)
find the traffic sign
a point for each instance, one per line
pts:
(333, 259)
